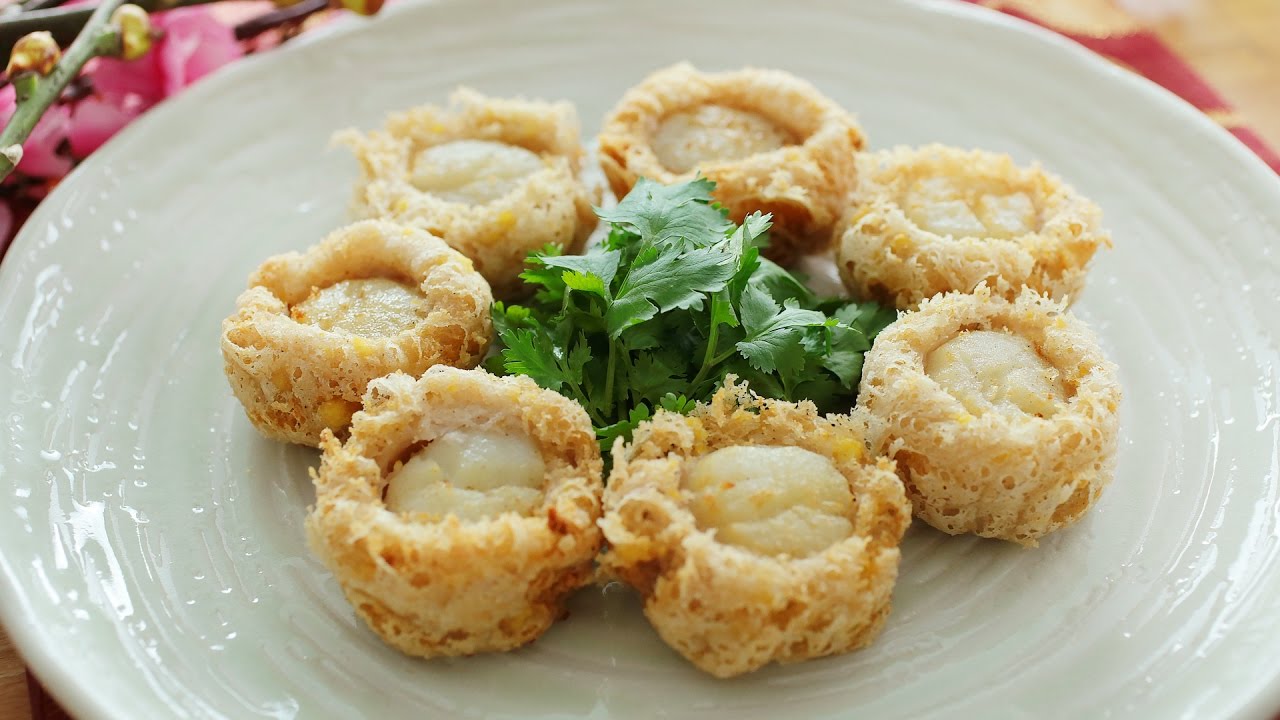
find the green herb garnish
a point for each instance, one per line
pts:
(673, 300)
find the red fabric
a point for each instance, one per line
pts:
(1145, 53)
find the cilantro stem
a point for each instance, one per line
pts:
(581, 397)
(623, 378)
(608, 376)
(713, 338)
(724, 356)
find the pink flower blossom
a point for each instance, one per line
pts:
(40, 156)
(194, 44)
(195, 41)
(97, 119)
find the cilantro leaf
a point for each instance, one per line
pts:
(670, 280)
(603, 265)
(775, 335)
(680, 215)
(623, 428)
(653, 376)
(673, 300)
(506, 317)
(586, 282)
(870, 317)
(844, 358)
(531, 352)
(781, 284)
(677, 403)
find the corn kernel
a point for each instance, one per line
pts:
(336, 413)
(846, 450)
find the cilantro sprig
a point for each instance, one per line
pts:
(674, 299)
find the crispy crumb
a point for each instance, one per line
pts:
(452, 587)
(726, 609)
(804, 184)
(296, 379)
(550, 207)
(1013, 477)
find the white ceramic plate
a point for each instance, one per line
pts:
(151, 542)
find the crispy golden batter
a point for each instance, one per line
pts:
(549, 206)
(935, 219)
(449, 587)
(296, 378)
(804, 183)
(727, 609)
(1004, 473)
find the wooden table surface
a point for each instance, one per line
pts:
(1234, 44)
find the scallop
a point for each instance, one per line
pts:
(940, 205)
(771, 500)
(713, 133)
(474, 172)
(372, 307)
(472, 474)
(996, 371)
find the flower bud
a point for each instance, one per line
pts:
(34, 52)
(12, 154)
(360, 7)
(134, 26)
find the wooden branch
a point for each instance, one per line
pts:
(255, 26)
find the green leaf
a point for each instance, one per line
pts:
(780, 284)
(653, 376)
(624, 428)
(531, 352)
(774, 340)
(576, 360)
(826, 392)
(870, 317)
(586, 282)
(756, 309)
(496, 364)
(722, 310)
(506, 317)
(676, 298)
(677, 403)
(671, 280)
(754, 229)
(766, 384)
(844, 358)
(603, 265)
(540, 275)
(670, 215)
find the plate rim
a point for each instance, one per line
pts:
(37, 647)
